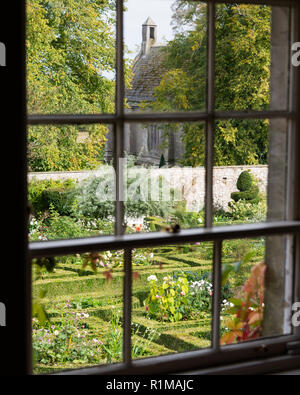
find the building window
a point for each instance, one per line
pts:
(152, 33)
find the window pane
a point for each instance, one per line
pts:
(256, 279)
(166, 53)
(251, 170)
(252, 57)
(171, 304)
(71, 181)
(77, 311)
(164, 176)
(70, 56)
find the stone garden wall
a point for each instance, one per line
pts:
(188, 182)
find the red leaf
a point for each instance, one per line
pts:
(108, 275)
(136, 275)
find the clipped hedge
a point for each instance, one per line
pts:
(245, 181)
(61, 199)
(248, 189)
(58, 192)
(250, 194)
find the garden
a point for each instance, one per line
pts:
(78, 300)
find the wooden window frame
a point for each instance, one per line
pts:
(263, 355)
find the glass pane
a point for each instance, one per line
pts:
(70, 181)
(256, 286)
(164, 176)
(171, 304)
(77, 311)
(70, 56)
(166, 53)
(250, 172)
(252, 57)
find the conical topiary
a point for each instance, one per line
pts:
(162, 161)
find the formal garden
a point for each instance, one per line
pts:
(78, 300)
(77, 309)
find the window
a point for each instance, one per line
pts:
(280, 228)
(152, 33)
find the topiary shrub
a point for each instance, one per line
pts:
(245, 181)
(248, 189)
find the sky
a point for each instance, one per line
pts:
(138, 12)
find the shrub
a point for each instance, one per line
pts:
(250, 194)
(248, 211)
(247, 309)
(168, 300)
(244, 181)
(248, 189)
(36, 190)
(63, 200)
(96, 195)
(55, 226)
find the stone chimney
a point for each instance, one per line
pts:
(149, 34)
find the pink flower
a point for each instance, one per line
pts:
(158, 296)
(182, 293)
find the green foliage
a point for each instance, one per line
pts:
(70, 51)
(62, 200)
(59, 148)
(69, 47)
(168, 301)
(250, 195)
(95, 197)
(242, 79)
(162, 161)
(244, 181)
(62, 342)
(38, 188)
(249, 190)
(244, 211)
(55, 226)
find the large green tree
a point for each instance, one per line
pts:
(70, 60)
(242, 78)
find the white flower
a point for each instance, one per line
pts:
(152, 277)
(56, 333)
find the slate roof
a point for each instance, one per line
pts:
(148, 71)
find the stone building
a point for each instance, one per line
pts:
(147, 142)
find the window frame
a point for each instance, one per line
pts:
(271, 351)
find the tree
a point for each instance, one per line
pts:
(242, 78)
(70, 53)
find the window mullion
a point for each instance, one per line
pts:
(216, 307)
(127, 306)
(119, 124)
(210, 103)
